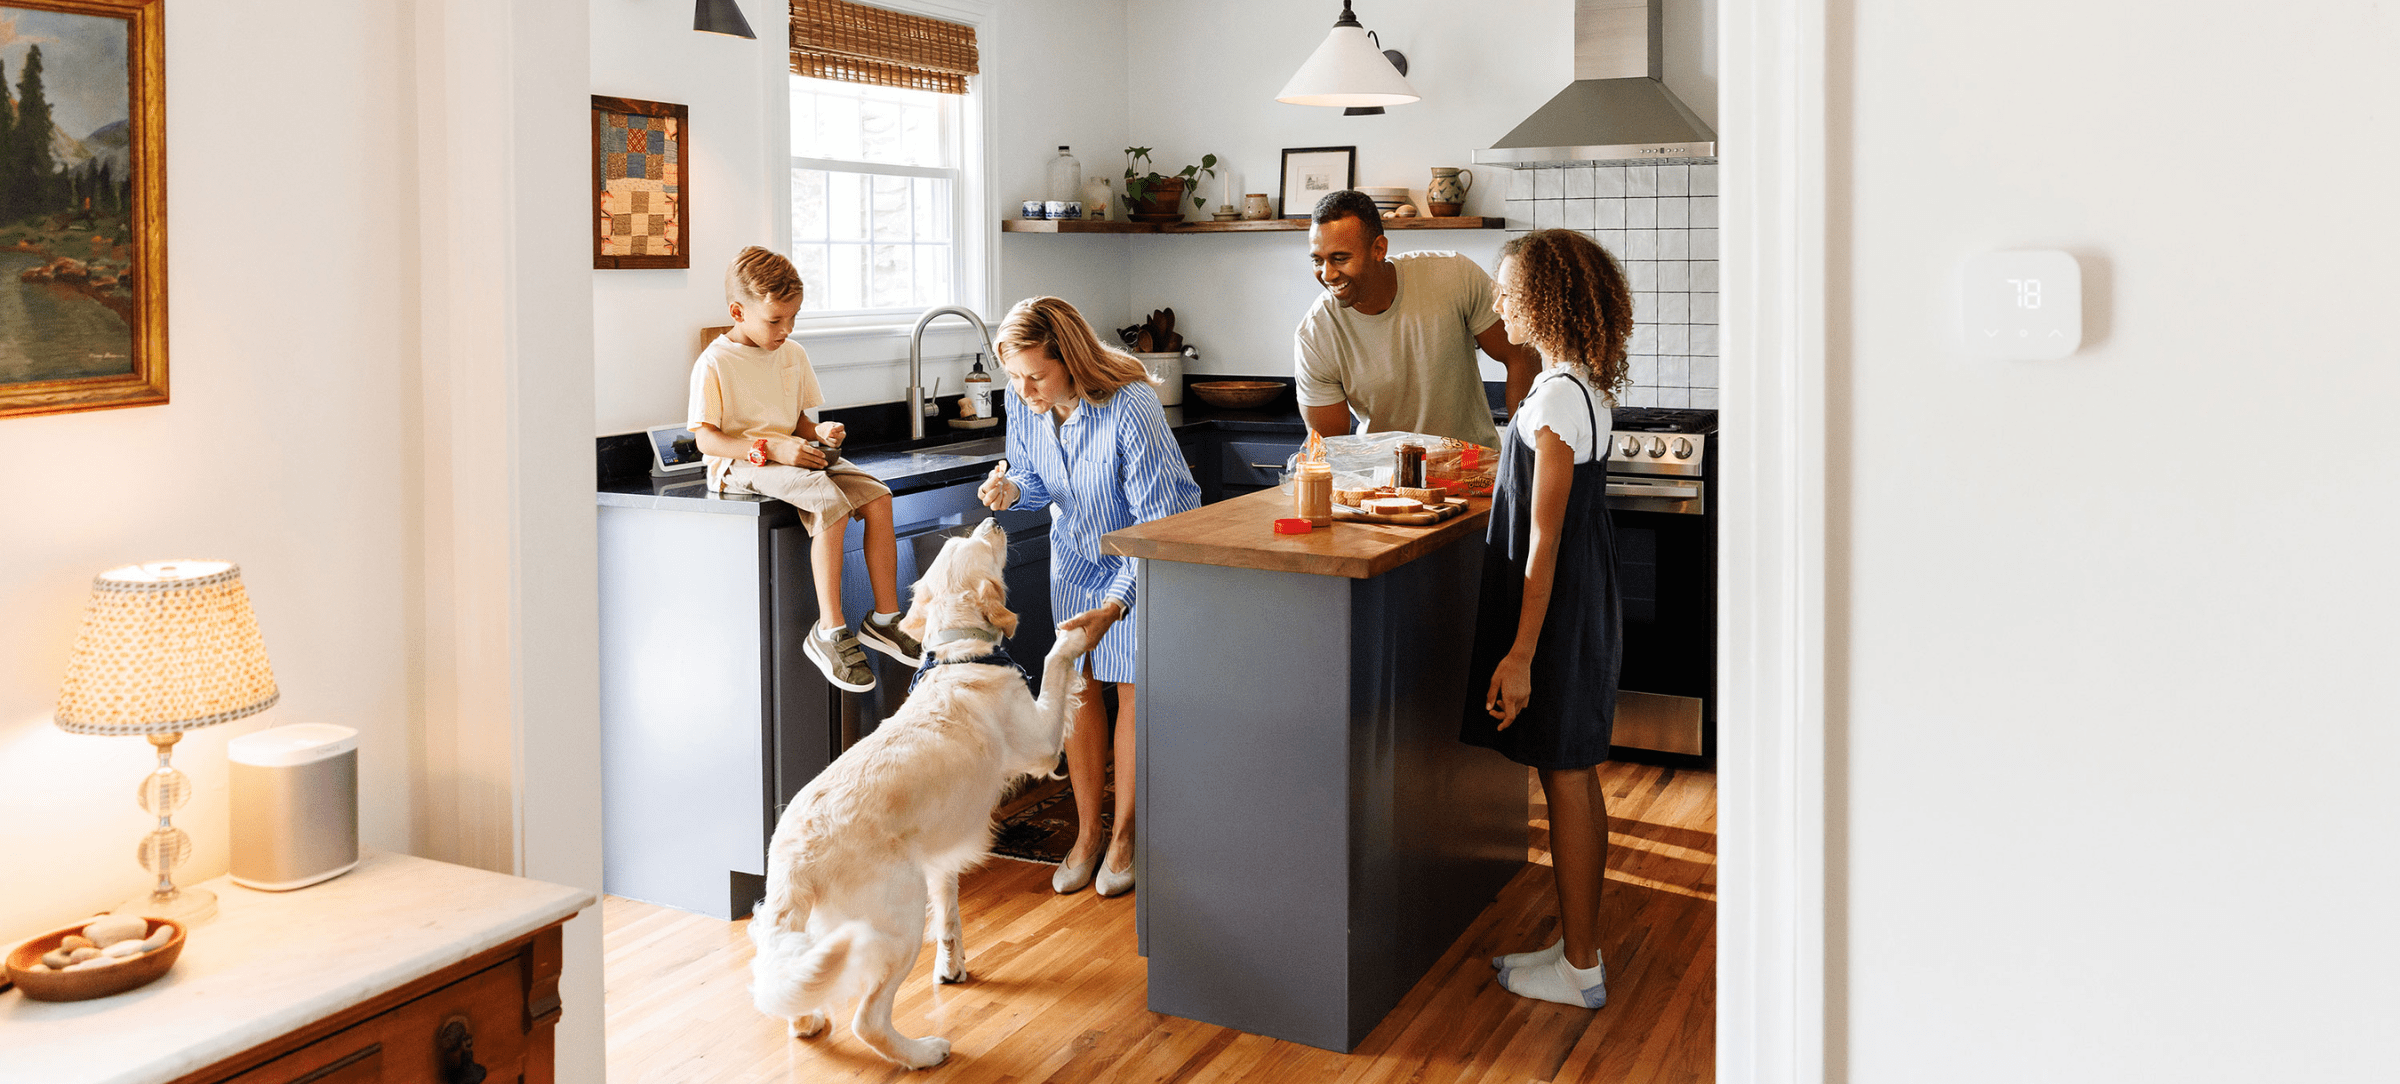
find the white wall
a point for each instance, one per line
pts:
(1214, 70)
(1053, 73)
(292, 336)
(380, 400)
(2114, 741)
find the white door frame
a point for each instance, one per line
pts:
(1772, 904)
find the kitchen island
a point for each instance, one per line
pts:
(1313, 834)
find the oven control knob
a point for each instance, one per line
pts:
(1683, 448)
(1628, 447)
(1658, 447)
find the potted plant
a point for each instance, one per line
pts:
(1151, 196)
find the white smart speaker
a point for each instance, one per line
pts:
(295, 805)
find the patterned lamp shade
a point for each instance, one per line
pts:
(165, 647)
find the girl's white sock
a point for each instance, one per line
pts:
(1561, 982)
(1557, 949)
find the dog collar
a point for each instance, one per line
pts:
(987, 635)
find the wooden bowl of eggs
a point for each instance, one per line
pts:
(95, 958)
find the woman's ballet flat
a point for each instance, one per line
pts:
(1116, 882)
(1073, 875)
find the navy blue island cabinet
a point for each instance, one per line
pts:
(1313, 835)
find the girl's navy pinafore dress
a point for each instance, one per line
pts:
(1566, 722)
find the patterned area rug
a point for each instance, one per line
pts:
(1038, 824)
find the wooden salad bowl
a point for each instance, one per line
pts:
(97, 982)
(1236, 394)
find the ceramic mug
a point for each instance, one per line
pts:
(1033, 208)
(1256, 208)
(1062, 208)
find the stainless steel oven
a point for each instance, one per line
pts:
(1662, 463)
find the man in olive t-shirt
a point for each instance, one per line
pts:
(1393, 339)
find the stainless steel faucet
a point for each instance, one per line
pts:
(916, 361)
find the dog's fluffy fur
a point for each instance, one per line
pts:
(887, 827)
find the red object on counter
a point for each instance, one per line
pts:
(1292, 526)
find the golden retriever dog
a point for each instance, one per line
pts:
(885, 829)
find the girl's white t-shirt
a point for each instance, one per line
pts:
(1554, 404)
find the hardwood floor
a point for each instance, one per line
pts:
(1057, 993)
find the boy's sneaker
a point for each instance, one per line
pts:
(890, 640)
(840, 658)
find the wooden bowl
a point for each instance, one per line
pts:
(1236, 393)
(97, 982)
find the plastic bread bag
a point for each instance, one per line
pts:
(1365, 460)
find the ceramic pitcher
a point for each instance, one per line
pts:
(1449, 185)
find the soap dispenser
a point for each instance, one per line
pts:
(979, 390)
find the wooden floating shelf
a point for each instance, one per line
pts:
(1264, 225)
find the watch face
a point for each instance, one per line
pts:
(675, 447)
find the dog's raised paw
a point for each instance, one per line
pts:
(809, 1027)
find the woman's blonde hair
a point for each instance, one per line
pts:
(1570, 296)
(1054, 327)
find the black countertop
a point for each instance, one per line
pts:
(914, 466)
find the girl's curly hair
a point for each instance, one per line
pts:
(1571, 296)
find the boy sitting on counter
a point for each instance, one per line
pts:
(752, 390)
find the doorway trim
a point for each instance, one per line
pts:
(1773, 999)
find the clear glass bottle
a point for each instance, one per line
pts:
(1066, 176)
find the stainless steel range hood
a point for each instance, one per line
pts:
(1618, 108)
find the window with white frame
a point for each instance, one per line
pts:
(880, 189)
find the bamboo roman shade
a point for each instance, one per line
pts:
(854, 43)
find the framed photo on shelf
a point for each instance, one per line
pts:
(639, 157)
(83, 212)
(1310, 173)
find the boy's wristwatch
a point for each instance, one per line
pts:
(758, 452)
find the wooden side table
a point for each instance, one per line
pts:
(401, 971)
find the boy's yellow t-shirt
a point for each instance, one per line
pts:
(749, 393)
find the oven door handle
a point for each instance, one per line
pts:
(1645, 489)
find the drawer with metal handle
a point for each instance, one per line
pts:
(1256, 462)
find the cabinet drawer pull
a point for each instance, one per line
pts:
(1266, 466)
(456, 1045)
(327, 1072)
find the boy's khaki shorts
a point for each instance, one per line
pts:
(823, 497)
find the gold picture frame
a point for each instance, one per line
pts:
(83, 224)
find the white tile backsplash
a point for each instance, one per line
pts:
(1660, 222)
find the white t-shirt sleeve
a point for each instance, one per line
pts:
(1317, 376)
(707, 405)
(1475, 290)
(1556, 405)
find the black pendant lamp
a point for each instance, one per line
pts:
(721, 17)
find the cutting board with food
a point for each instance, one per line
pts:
(1417, 508)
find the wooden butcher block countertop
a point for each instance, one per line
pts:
(1240, 533)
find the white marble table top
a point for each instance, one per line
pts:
(273, 961)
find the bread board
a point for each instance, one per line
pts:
(1431, 515)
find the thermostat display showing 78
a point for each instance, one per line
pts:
(2023, 305)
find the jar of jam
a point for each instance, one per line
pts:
(1408, 466)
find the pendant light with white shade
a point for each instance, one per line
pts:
(1349, 70)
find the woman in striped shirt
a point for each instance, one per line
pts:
(1088, 439)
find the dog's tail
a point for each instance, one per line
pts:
(795, 974)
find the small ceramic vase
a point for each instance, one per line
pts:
(1447, 192)
(1255, 207)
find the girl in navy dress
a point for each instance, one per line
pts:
(1548, 631)
(1088, 439)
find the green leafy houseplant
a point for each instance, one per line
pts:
(1142, 183)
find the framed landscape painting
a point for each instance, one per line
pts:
(638, 184)
(83, 221)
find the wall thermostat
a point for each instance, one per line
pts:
(2024, 305)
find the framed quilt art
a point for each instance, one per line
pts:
(638, 184)
(83, 205)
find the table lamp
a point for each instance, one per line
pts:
(166, 647)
